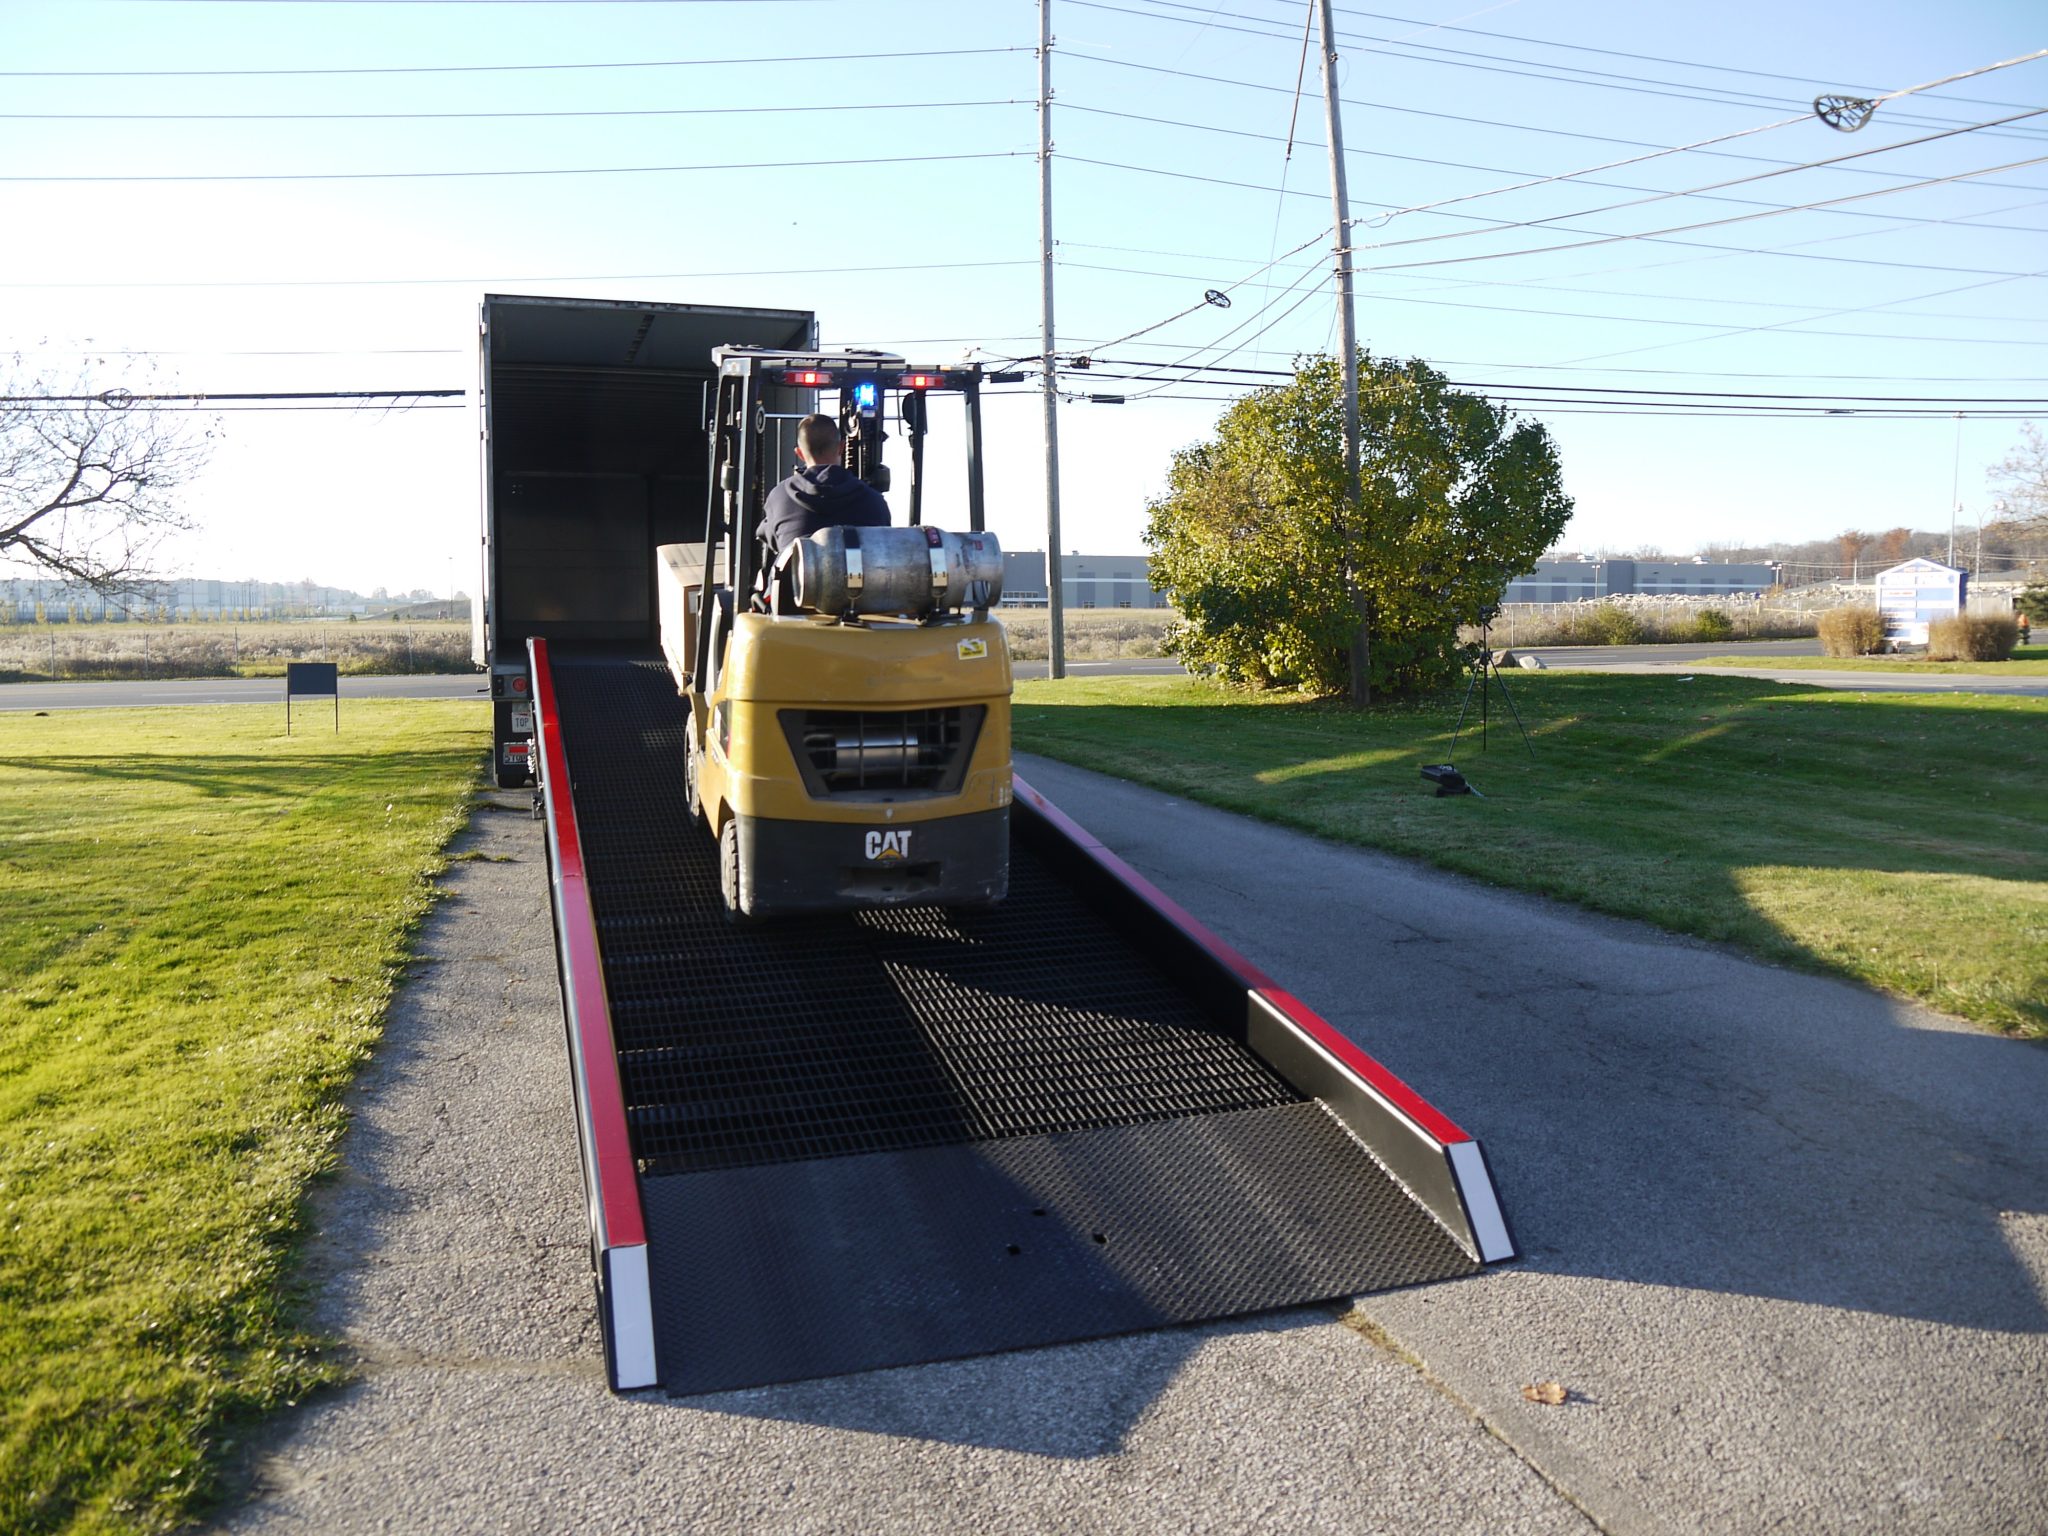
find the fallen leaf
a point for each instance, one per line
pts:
(1550, 1393)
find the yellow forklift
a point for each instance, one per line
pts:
(849, 700)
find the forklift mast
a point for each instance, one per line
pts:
(741, 472)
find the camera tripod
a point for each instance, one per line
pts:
(1485, 674)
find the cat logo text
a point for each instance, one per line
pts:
(888, 847)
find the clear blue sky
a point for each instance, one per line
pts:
(1170, 177)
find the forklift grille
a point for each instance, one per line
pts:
(850, 752)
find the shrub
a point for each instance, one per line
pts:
(1715, 625)
(1612, 624)
(1854, 629)
(1972, 637)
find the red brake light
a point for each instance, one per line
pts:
(807, 378)
(924, 381)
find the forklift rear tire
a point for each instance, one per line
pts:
(729, 872)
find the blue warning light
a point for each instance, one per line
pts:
(864, 396)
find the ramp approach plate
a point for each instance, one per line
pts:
(891, 1137)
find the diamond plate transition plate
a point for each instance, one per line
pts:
(793, 1270)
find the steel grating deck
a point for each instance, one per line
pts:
(900, 1136)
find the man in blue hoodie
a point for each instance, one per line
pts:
(822, 493)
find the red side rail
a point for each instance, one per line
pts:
(1440, 1164)
(611, 1180)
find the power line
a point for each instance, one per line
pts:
(1805, 82)
(122, 397)
(238, 410)
(1671, 414)
(1945, 403)
(1597, 79)
(1467, 119)
(1705, 325)
(1661, 196)
(1739, 218)
(556, 277)
(377, 117)
(1705, 373)
(487, 69)
(586, 170)
(1545, 287)
(1581, 177)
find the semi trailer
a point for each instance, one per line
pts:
(594, 451)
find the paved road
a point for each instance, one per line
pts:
(1603, 657)
(269, 690)
(227, 690)
(1613, 658)
(1755, 656)
(1787, 1243)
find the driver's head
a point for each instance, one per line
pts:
(818, 441)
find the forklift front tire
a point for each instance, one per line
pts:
(729, 872)
(692, 775)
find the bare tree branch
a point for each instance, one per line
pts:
(88, 485)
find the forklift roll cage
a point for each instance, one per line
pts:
(739, 424)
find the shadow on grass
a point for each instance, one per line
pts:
(1699, 804)
(291, 775)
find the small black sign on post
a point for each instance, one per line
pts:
(311, 677)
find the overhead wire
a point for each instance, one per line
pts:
(1858, 309)
(378, 117)
(1465, 118)
(1740, 218)
(1724, 394)
(580, 170)
(1599, 79)
(487, 69)
(1541, 286)
(1257, 315)
(1803, 81)
(1652, 197)
(1460, 165)
(1708, 325)
(1653, 237)
(555, 277)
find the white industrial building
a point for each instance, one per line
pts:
(1571, 581)
(1086, 581)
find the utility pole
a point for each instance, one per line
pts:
(1055, 594)
(1955, 482)
(1347, 331)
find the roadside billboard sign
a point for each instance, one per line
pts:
(1910, 595)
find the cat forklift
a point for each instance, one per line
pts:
(849, 699)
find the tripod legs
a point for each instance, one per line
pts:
(1484, 675)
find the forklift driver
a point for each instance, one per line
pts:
(822, 493)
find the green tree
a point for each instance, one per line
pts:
(1272, 571)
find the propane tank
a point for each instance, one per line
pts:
(917, 571)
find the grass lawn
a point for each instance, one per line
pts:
(2027, 661)
(1900, 839)
(201, 924)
